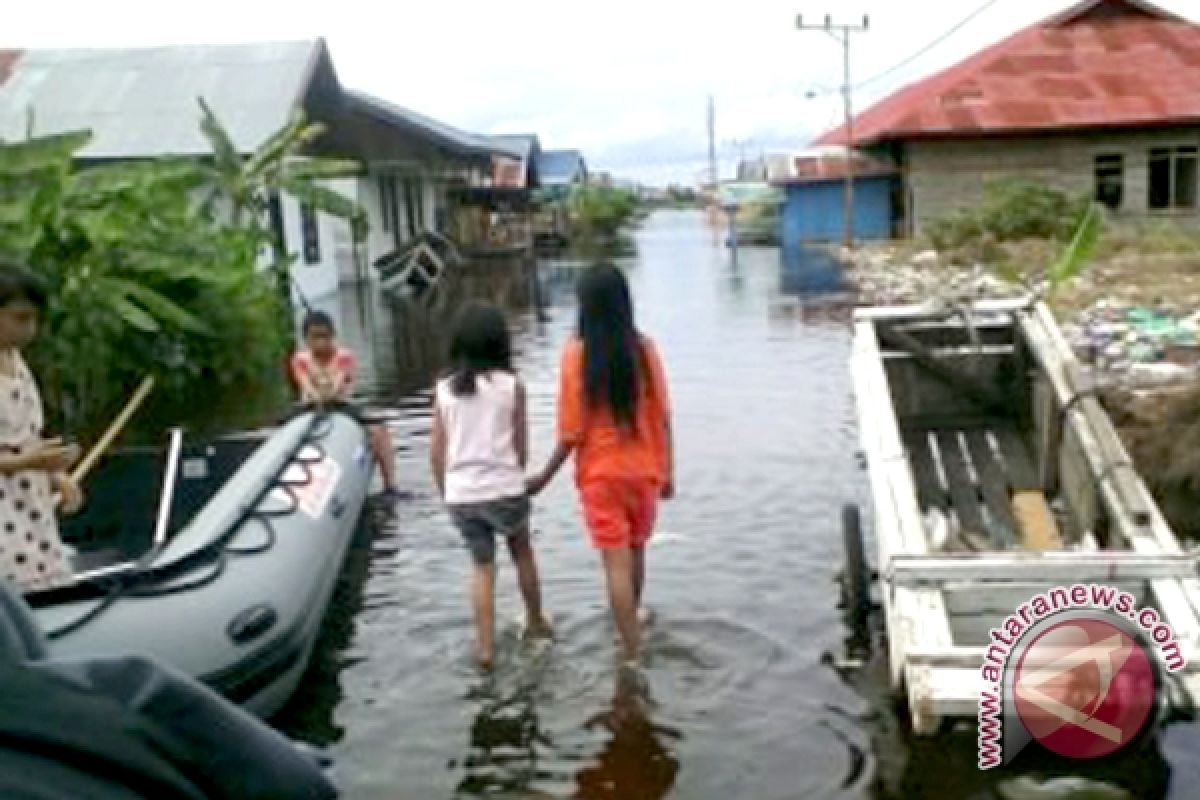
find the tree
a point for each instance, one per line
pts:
(144, 280)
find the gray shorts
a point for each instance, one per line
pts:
(481, 523)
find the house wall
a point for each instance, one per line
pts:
(813, 211)
(945, 176)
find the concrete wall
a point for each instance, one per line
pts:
(316, 280)
(943, 177)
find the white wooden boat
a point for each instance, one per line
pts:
(961, 413)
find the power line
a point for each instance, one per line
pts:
(966, 21)
(910, 59)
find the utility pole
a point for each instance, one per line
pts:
(842, 34)
(712, 144)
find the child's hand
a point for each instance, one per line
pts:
(535, 484)
(51, 455)
(69, 491)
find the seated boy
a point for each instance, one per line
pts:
(324, 375)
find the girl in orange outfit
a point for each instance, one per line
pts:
(614, 415)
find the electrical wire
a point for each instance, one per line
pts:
(918, 54)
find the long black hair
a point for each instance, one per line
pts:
(480, 343)
(18, 282)
(611, 344)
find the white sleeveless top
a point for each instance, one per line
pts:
(481, 451)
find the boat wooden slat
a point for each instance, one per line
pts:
(998, 600)
(1018, 465)
(930, 492)
(962, 489)
(1063, 567)
(993, 482)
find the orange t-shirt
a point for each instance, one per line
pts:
(603, 449)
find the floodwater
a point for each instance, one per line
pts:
(745, 693)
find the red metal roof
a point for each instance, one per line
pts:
(1103, 63)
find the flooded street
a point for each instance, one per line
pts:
(739, 701)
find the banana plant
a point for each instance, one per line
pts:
(140, 281)
(244, 184)
(1078, 252)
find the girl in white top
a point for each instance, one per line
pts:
(478, 455)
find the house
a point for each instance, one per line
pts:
(142, 103)
(415, 169)
(496, 219)
(561, 169)
(814, 197)
(1102, 99)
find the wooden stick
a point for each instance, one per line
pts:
(114, 430)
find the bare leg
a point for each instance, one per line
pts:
(385, 456)
(618, 570)
(483, 587)
(639, 574)
(527, 578)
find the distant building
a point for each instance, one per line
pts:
(814, 203)
(562, 168)
(1102, 99)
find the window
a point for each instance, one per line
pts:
(413, 206)
(308, 231)
(1110, 180)
(1172, 178)
(385, 198)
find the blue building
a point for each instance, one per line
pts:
(813, 209)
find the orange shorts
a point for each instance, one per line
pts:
(619, 513)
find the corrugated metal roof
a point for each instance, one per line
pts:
(143, 102)
(517, 145)
(1103, 63)
(557, 167)
(446, 135)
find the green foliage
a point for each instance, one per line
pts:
(144, 279)
(140, 282)
(1011, 210)
(600, 212)
(1078, 252)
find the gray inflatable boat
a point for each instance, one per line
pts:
(235, 598)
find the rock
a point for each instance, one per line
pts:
(926, 258)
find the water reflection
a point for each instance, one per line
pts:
(638, 760)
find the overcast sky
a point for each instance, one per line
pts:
(625, 81)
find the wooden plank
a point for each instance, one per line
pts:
(1017, 463)
(1035, 522)
(1061, 567)
(979, 393)
(1118, 463)
(915, 617)
(962, 490)
(930, 492)
(966, 598)
(993, 482)
(981, 310)
(1078, 486)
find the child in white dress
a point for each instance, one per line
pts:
(32, 469)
